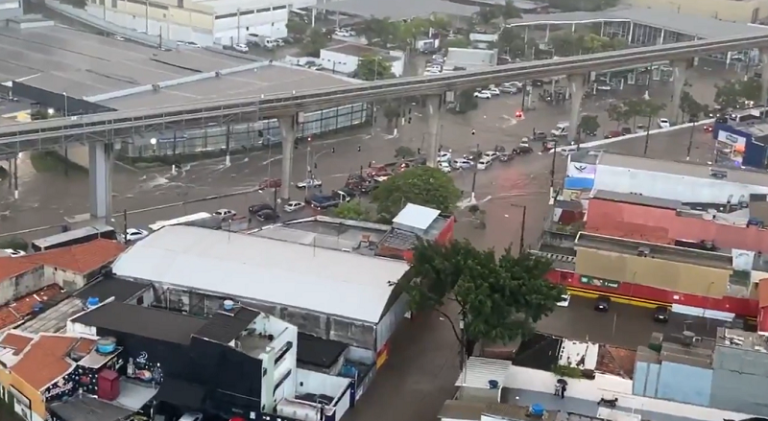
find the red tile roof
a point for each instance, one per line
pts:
(616, 361)
(47, 359)
(81, 258)
(663, 226)
(18, 310)
(16, 341)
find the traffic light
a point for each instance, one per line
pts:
(359, 148)
(333, 149)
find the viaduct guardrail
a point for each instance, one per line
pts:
(123, 123)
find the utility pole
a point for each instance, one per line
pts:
(238, 25)
(690, 139)
(522, 232)
(552, 169)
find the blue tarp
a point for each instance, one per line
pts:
(579, 183)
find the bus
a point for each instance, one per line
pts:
(195, 219)
(73, 237)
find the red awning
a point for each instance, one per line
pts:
(762, 314)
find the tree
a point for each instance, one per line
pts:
(690, 108)
(380, 31)
(465, 102)
(457, 42)
(589, 124)
(315, 41)
(353, 210)
(424, 186)
(297, 28)
(372, 67)
(643, 108)
(565, 44)
(486, 15)
(411, 31)
(391, 111)
(619, 114)
(404, 152)
(582, 5)
(511, 42)
(499, 299)
(508, 11)
(733, 93)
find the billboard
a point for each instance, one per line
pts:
(579, 170)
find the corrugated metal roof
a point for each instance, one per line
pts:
(416, 216)
(265, 270)
(480, 370)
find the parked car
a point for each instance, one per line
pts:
(484, 163)
(483, 95)
(602, 303)
(493, 91)
(271, 183)
(492, 155)
(242, 48)
(343, 32)
(253, 209)
(462, 164)
(443, 157)
(309, 183)
(225, 214)
(135, 234)
(626, 130)
(14, 252)
(613, 133)
(444, 166)
(267, 215)
(661, 314)
(293, 205)
(663, 123)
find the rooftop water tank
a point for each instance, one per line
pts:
(493, 384)
(92, 302)
(536, 410)
(229, 305)
(106, 345)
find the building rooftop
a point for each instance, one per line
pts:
(658, 18)
(637, 199)
(267, 79)
(56, 312)
(46, 358)
(81, 259)
(225, 326)
(17, 311)
(141, 321)
(584, 156)
(478, 372)
(398, 9)
(616, 361)
(651, 250)
(468, 410)
(738, 338)
(86, 408)
(688, 169)
(360, 50)
(318, 352)
(252, 268)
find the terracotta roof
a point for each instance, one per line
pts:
(80, 258)
(47, 359)
(18, 310)
(616, 361)
(16, 341)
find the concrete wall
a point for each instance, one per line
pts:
(670, 186)
(735, 391)
(736, 11)
(11, 9)
(741, 360)
(68, 280)
(22, 284)
(673, 381)
(653, 272)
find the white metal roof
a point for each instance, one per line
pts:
(266, 270)
(416, 216)
(479, 371)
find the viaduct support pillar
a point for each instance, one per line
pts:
(100, 157)
(764, 76)
(434, 108)
(576, 84)
(288, 129)
(681, 70)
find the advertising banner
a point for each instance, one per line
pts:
(579, 170)
(730, 138)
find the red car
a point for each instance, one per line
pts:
(613, 133)
(708, 128)
(271, 183)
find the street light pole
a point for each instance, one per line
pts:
(522, 228)
(690, 140)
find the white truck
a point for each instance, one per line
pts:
(264, 42)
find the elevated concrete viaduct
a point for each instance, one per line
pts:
(102, 129)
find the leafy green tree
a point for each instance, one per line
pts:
(412, 30)
(404, 152)
(618, 114)
(297, 28)
(733, 93)
(589, 124)
(353, 210)
(391, 111)
(689, 106)
(372, 67)
(465, 102)
(565, 44)
(511, 42)
(499, 299)
(643, 108)
(424, 186)
(486, 15)
(315, 41)
(508, 11)
(380, 31)
(456, 42)
(16, 243)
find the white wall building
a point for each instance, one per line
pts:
(686, 182)
(205, 22)
(346, 57)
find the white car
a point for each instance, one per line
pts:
(14, 252)
(344, 32)
(492, 155)
(309, 183)
(483, 95)
(509, 89)
(564, 300)
(462, 164)
(118, 37)
(135, 234)
(484, 163)
(293, 205)
(191, 44)
(663, 123)
(225, 213)
(443, 157)
(241, 48)
(444, 166)
(493, 91)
